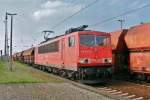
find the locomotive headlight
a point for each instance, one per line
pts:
(110, 60)
(81, 61)
(107, 60)
(85, 61)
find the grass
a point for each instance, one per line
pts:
(23, 74)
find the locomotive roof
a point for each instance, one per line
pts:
(68, 34)
(51, 38)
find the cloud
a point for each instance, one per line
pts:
(55, 8)
(47, 9)
(136, 4)
(52, 4)
(43, 13)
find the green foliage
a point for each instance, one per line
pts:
(23, 74)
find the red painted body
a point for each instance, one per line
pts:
(70, 57)
(139, 62)
(138, 37)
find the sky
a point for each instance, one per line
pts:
(34, 16)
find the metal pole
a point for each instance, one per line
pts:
(11, 31)
(6, 38)
(1, 54)
(121, 23)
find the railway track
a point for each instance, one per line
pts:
(116, 89)
(129, 90)
(120, 93)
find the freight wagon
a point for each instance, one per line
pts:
(138, 43)
(28, 56)
(18, 56)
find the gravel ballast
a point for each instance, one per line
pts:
(46, 91)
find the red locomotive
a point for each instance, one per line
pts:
(79, 54)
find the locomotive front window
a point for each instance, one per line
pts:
(102, 40)
(93, 40)
(87, 40)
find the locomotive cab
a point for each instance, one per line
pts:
(95, 56)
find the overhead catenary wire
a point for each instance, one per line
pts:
(72, 1)
(122, 14)
(101, 22)
(69, 17)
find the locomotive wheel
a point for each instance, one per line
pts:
(140, 77)
(49, 70)
(148, 78)
(77, 76)
(63, 73)
(72, 75)
(43, 68)
(40, 67)
(46, 69)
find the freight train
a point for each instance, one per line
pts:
(90, 55)
(79, 54)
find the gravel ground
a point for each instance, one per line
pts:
(46, 91)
